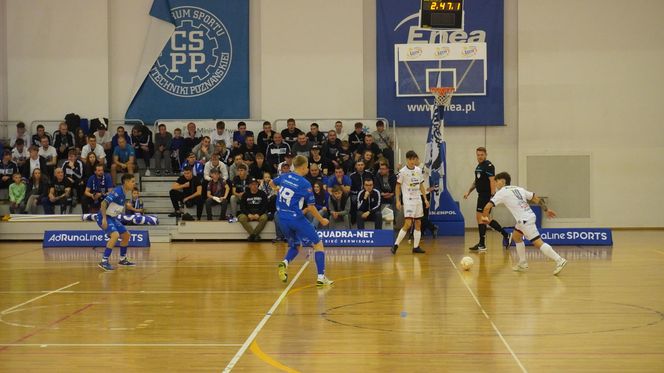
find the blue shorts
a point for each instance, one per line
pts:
(299, 231)
(114, 225)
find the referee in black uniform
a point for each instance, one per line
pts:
(486, 187)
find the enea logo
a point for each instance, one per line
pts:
(469, 51)
(414, 52)
(197, 57)
(442, 52)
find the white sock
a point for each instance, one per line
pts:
(521, 251)
(400, 236)
(416, 238)
(285, 262)
(547, 250)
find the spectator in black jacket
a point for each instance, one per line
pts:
(260, 167)
(141, 138)
(276, 152)
(59, 194)
(369, 144)
(34, 162)
(188, 191)
(41, 132)
(339, 206)
(325, 165)
(291, 132)
(356, 138)
(331, 147)
(253, 207)
(63, 141)
(315, 136)
(75, 172)
(385, 181)
(265, 137)
(357, 180)
(7, 169)
(368, 206)
(37, 191)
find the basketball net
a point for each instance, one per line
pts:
(442, 95)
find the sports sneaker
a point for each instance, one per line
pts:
(394, 249)
(508, 240)
(126, 262)
(521, 267)
(418, 250)
(188, 217)
(158, 172)
(283, 275)
(105, 265)
(477, 247)
(560, 267)
(147, 173)
(324, 281)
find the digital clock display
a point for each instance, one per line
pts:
(441, 14)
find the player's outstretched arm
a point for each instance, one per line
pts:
(486, 211)
(314, 211)
(539, 201)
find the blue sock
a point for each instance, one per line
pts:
(320, 262)
(123, 251)
(292, 253)
(107, 253)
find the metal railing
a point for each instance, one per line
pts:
(5, 132)
(208, 126)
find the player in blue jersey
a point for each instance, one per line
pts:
(294, 192)
(107, 219)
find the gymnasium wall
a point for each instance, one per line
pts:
(558, 100)
(590, 84)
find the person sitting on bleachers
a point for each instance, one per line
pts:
(135, 204)
(217, 194)
(270, 193)
(191, 138)
(315, 136)
(93, 147)
(20, 153)
(260, 167)
(49, 153)
(186, 191)
(96, 189)
(141, 138)
(253, 207)
(249, 149)
(89, 165)
(240, 183)
(41, 132)
(331, 147)
(277, 150)
(75, 172)
(302, 146)
(385, 181)
(325, 166)
(224, 153)
(7, 169)
(120, 132)
(232, 169)
(357, 179)
(369, 144)
(36, 192)
(369, 161)
(221, 134)
(339, 131)
(356, 138)
(345, 157)
(215, 164)
(59, 194)
(321, 198)
(197, 168)
(17, 191)
(340, 179)
(203, 150)
(63, 141)
(240, 135)
(316, 176)
(384, 141)
(265, 137)
(287, 165)
(105, 139)
(368, 206)
(80, 139)
(177, 155)
(124, 159)
(339, 206)
(21, 133)
(33, 162)
(162, 153)
(291, 132)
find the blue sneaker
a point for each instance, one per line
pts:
(126, 262)
(105, 265)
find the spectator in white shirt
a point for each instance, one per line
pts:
(21, 133)
(105, 139)
(92, 147)
(215, 163)
(48, 152)
(222, 135)
(20, 153)
(339, 129)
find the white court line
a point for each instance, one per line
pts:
(148, 292)
(523, 369)
(262, 323)
(122, 344)
(39, 297)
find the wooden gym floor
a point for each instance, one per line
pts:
(193, 306)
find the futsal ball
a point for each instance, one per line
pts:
(466, 263)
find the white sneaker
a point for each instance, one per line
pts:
(521, 267)
(560, 267)
(147, 173)
(324, 281)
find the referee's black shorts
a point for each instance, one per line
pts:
(482, 200)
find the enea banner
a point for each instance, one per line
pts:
(574, 236)
(357, 238)
(71, 238)
(202, 70)
(411, 59)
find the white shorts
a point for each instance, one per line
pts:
(529, 229)
(413, 210)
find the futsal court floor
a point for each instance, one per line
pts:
(195, 306)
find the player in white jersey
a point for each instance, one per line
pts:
(410, 184)
(518, 200)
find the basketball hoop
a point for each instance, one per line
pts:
(442, 95)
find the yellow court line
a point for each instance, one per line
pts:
(263, 356)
